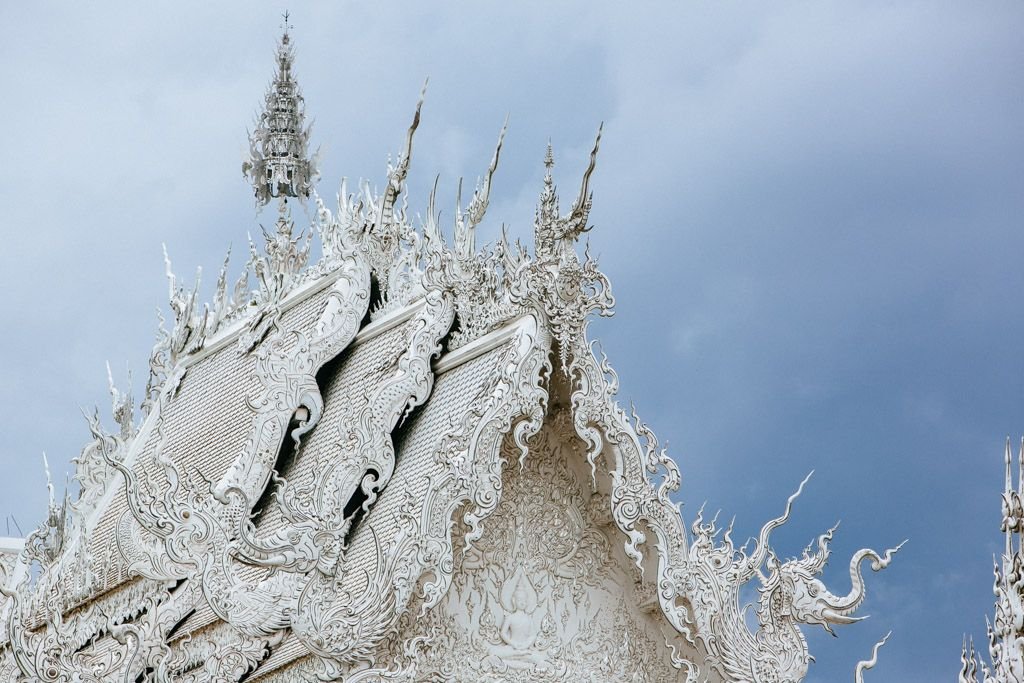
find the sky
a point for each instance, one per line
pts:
(810, 214)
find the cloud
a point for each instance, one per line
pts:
(810, 215)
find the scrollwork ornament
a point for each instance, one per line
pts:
(52, 655)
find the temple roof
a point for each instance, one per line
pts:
(318, 453)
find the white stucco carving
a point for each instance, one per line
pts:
(546, 593)
(1006, 629)
(279, 164)
(403, 462)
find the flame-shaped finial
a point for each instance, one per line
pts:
(866, 664)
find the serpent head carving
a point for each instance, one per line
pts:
(793, 587)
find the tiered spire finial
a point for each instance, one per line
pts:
(279, 164)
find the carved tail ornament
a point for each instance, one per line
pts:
(389, 231)
(397, 173)
(864, 665)
(466, 222)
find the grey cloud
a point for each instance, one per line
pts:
(810, 214)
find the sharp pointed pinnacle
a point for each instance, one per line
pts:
(278, 162)
(1008, 538)
(1007, 459)
(49, 480)
(415, 123)
(497, 150)
(1020, 468)
(582, 207)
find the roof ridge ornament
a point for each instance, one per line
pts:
(570, 289)
(1004, 631)
(467, 219)
(279, 164)
(865, 664)
(553, 232)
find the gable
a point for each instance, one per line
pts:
(546, 593)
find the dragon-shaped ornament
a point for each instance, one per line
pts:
(791, 594)
(700, 579)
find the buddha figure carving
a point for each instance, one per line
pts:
(521, 626)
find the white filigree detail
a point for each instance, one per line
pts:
(1006, 629)
(542, 595)
(485, 559)
(279, 163)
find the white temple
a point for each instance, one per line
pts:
(402, 462)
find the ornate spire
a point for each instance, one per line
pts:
(553, 234)
(1006, 630)
(547, 208)
(279, 164)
